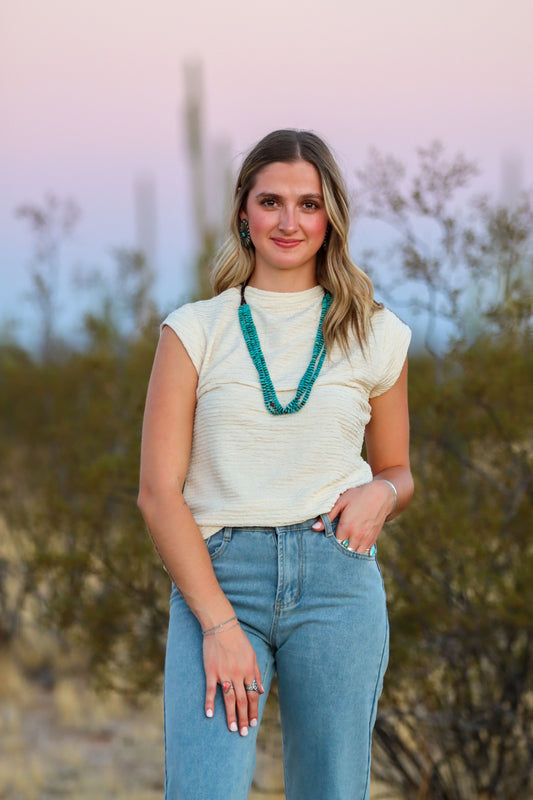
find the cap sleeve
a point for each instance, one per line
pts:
(391, 339)
(185, 322)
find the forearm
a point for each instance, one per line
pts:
(180, 545)
(402, 480)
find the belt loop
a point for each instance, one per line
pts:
(227, 534)
(328, 530)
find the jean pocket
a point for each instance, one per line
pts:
(338, 545)
(218, 543)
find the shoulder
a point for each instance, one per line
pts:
(202, 324)
(385, 323)
(388, 333)
(204, 311)
(388, 345)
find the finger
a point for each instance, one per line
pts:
(210, 691)
(344, 540)
(228, 693)
(366, 549)
(342, 533)
(351, 543)
(253, 688)
(337, 508)
(319, 525)
(241, 699)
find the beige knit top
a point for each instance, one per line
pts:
(248, 467)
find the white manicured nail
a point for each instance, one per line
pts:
(233, 727)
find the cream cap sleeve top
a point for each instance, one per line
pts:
(250, 468)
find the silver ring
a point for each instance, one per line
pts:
(251, 687)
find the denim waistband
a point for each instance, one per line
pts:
(295, 527)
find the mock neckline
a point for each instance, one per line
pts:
(267, 299)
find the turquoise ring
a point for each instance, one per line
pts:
(345, 543)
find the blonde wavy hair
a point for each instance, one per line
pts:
(351, 289)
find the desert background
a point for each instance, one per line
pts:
(123, 125)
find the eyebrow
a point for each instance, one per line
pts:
(309, 196)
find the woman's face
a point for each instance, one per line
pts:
(288, 220)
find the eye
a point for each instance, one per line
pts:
(269, 202)
(310, 205)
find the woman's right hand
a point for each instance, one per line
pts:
(230, 658)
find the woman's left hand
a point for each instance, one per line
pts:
(362, 512)
(363, 509)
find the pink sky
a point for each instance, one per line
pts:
(90, 94)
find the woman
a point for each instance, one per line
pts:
(257, 497)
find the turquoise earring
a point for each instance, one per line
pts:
(244, 230)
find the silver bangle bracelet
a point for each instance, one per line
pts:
(393, 487)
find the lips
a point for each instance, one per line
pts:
(287, 243)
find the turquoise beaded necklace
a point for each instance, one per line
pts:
(254, 348)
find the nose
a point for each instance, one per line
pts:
(288, 221)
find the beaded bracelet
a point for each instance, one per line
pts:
(215, 628)
(393, 487)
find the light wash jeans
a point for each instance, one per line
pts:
(316, 614)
